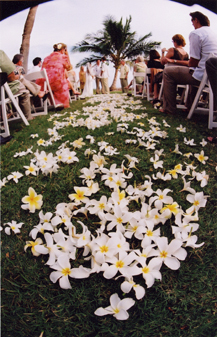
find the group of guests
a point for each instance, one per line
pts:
(174, 66)
(181, 68)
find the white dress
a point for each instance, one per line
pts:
(88, 88)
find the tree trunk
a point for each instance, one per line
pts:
(113, 86)
(24, 49)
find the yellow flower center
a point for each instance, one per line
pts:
(149, 233)
(145, 270)
(119, 220)
(201, 157)
(163, 254)
(119, 264)
(31, 169)
(102, 205)
(66, 271)
(104, 249)
(161, 197)
(196, 203)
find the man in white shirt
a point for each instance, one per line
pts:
(104, 76)
(124, 70)
(37, 63)
(203, 42)
(97, 72)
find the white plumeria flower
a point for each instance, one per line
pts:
(156, 162)
(122, 263)
(92, 140)
(170, 254)
(161, 198)
(181, 128)
(203, 143)
(202, 177)
(33, 244)
(41, 142)
(200, 156)
(103, 247)
(151, 271)
(32, 201)
(191, 242)
(189, 142)
(15, 176)
(31, 169)
(177, 149)
(118, 308)
(13, 226)
(40, 228)
(100, 206)
(78, 143)
(188, 155)
(198, 200)
(63, 270)
(99, 160)
(34, 135)
(129, 284)
(80, 195)
(117, 219)
(50, 248)
(187, 186)
(3, 182)
(119, 241)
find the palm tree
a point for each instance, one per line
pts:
(24, 49)
(116, 42)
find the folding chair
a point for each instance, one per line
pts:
(204, 87)
(38, 75)
(17, 114)
(135, 85)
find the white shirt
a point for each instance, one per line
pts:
(104, 68)
(97, 71)
(34, 69)
(203, 42)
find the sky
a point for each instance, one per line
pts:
(69, 21)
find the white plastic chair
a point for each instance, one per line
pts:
(135, 74)
(204, 87)
(17, 114)
(38, 75)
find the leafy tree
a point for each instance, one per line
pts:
(116, 42)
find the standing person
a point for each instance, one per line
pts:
(203, 42)
(37, 63)
(98, 76)
(124, 70)
(104, 76)
(56, 64)
(15, 85)
(82, 78)
(88, 88)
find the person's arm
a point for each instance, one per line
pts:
(168, 55)
(176, 62)
(12, 77)
(193, 62)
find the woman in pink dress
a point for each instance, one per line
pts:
(55, 65)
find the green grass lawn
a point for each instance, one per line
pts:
(183, 303)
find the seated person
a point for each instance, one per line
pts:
(174, 55)
(15, 85)
(34, 88)
(203, 42)
(37, 62)
(139, 67)
(156, 67)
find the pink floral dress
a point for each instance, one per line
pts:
(55, 65)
